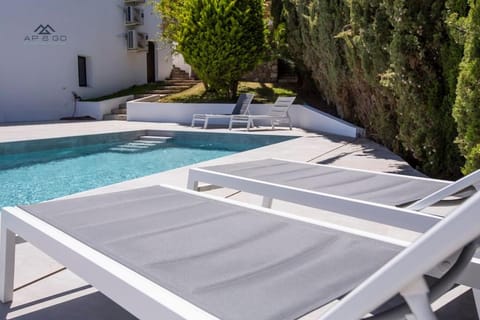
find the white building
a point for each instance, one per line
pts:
(50, 49)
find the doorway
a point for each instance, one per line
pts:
(151, 62)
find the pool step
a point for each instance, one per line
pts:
(157, 139)
(143, 143)
(123, 150)
(148, 142)
(136, 145)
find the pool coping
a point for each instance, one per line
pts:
(25, 146)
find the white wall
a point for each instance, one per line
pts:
(303, 117)
(173, 112)
(97, 109)
(37, 80)
(179, 61)
(163, 52)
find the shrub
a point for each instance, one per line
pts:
(220, 39)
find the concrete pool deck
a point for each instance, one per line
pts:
(46, 291)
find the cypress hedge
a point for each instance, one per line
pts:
(392, 67)
(467, 104)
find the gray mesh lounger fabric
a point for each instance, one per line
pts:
(234, 262)
(394, 190)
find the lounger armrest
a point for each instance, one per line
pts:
(389, 215)
(444, 239)
(472, 179)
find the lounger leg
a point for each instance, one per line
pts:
(192, 184)
(230, 124)
(205, 123)
(416, 296)
(7, 262)
(267, 202)
(476, 298)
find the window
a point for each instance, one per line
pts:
(82, 71)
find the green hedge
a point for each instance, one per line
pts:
(467, 104)
(392, 67)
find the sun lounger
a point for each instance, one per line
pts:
(404, 273)
(278, 114)
(241, 108)
(165, 253)
(326, 186)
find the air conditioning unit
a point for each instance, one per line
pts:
(137, 40)
(133, 15)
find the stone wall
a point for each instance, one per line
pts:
(266, 72)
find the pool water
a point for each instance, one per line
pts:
(43, 175)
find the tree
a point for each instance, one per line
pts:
(221, 39)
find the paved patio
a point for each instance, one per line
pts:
(45, 290)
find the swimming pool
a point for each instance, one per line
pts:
(42, 170)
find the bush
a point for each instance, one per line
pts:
(220, 39)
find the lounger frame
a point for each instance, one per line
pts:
(397, 217)
(404, 272)
(407, 218)
(205, 117)
(278, 114)
(137, 294)
(140, 296)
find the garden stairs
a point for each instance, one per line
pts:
(179, 81)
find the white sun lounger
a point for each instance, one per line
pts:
(278, 114)
(241, 108)
(165, 253)
(404, 273)
(337, 189)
